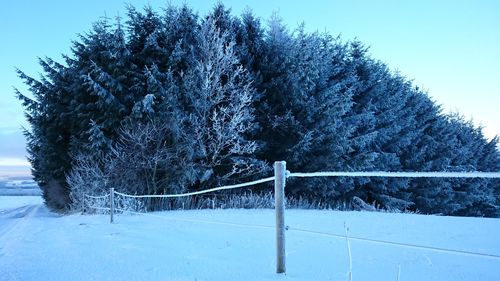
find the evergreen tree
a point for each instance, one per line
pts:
(49, 136)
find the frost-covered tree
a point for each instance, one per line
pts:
(220, 96)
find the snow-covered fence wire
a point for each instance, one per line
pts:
(490, 175)
(226, 187)
(98, 203)
(96, 197)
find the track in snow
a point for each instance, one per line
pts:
(14, 227)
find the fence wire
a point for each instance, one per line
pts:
(322, 174)
(397, 244)
(96, 197)
(99, 200)
(226, 187)
(317, 174)
(397, 174)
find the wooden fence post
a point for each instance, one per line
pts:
(112, 203)
(279, 197)
(83, 203)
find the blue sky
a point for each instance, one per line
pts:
(449, 48)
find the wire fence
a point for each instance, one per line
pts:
(280, 181)
(317, 174)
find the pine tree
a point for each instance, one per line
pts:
(50, 134)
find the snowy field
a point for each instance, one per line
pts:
(17, 184)
(238, 245)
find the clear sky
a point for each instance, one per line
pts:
(449, 47)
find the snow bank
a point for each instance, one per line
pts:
(239, 245)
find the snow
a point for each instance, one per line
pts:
(36, 244)
(10, 202)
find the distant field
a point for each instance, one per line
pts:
(15, 181)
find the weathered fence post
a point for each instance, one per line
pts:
(83, 203)
(112, 203)
(279, 197)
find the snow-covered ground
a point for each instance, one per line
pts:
(239, 245)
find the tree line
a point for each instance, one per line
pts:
(170, 101)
